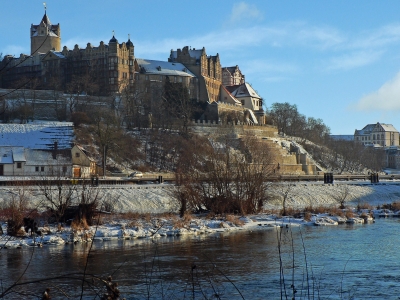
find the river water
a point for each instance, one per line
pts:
(335, 262)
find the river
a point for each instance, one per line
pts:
(333, 262)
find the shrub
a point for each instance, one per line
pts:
(349, 214)
(78, 225)
(234, 220)
(307, 216)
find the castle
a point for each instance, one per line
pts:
(112, 68)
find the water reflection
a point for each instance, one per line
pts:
(320, 262)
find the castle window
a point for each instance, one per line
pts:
(19, 165)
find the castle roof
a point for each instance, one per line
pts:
(129, 43)
(113, 40)
(368, 129)
(159, 67)
(46, 19)
(243, 90)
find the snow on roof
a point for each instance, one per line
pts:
(370, 127)
(388, 127)
(58, 54)
(18, 154)
(243, 90)
(6, 156)
(38, 136)
(41, 157)
(163, 67)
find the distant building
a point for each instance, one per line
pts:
(232, 76)
(36, 149)
(45, 36)
(109, 66)
(342, 137)
(379, 134)
(153, 73)
(207, 69)
(83, 165)
(111, 69)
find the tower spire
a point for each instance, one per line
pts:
(45, 7)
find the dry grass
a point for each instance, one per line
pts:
(234, 220)
(396, 206)
(77, 225)
(130, 215)
(349, 214)
(182, 222)
(365, 206)
(334, 211)
(147, 217)
(210, 216)
(307, 216)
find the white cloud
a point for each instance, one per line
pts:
(236, 40)
(385, 99)
(354, 60)
(381, 37)
(244, 12)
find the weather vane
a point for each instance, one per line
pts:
(45, 6)
(113, 33)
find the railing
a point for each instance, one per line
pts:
(168, 177)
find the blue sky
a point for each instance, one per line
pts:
(336, 60)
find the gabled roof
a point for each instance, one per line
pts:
(159, 67)
(231, 69)
(231, 97)
(368, 129)
(84, 151)
(40, 157)
(38, 136)
(243, 90)
(6, 156)
(388, 127)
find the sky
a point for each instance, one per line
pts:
(335, 60)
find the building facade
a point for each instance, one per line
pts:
(45, 36)
(379, 134)
(108, 67)
(207, 69)
(232, 76)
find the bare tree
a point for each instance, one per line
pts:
(230, 176)
(342, 194)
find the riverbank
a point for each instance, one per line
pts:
(132, 218)
(157, 198)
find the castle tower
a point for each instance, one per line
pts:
(45, 36)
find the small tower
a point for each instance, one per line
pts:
(45, 36)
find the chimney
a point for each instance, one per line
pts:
(55, 148)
